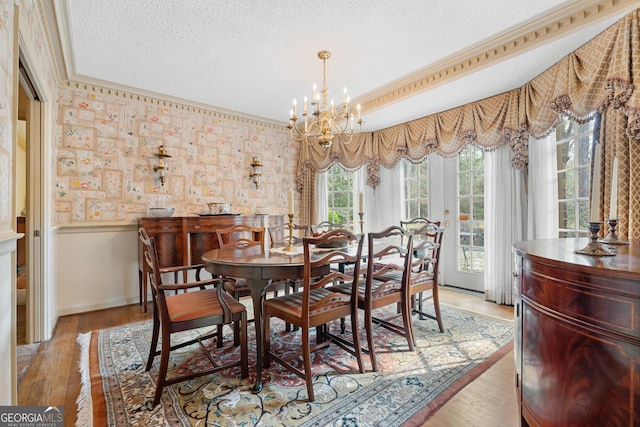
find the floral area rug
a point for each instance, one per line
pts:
(409, 387)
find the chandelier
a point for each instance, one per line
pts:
(326, 121)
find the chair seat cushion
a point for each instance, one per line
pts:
(199, 305)
(292, 303)
(362, 288)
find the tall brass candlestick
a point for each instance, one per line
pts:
(361, 214)
(290, 247)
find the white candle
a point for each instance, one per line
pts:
(595, 190)
(360, 204)
(290, 201)
(613, 206)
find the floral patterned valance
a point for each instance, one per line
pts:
(605, 72)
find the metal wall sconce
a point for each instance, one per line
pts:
(162, 167)
(256, 171)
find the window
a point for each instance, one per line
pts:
(340, 195)
(416, 189)
(471, 210)
(574, 146)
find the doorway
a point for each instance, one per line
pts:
(28, 202)
(463, 199)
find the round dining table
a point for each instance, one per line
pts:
(258, 266)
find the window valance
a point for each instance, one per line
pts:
(603, 73)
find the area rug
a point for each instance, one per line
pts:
(410, 386)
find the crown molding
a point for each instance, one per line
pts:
(544, 29)
(149, 97)
(56, 22)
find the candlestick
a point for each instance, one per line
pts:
(612, 238)
(361, 214)
(613, 205)
(594, 247)
(290, 247)
(594, 211)
(290, 201)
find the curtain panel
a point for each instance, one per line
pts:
(604, 73)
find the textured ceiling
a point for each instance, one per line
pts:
(254, 57)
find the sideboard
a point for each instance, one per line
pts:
(577, 334)
(183, 240)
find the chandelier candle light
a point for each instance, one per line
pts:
(326, 121)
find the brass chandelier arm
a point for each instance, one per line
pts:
(326, 121)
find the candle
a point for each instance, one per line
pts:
(290, 201)
(595, 190)
(613, 206)
(360, 205)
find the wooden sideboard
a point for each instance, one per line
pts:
(577, 339)
(183, 240)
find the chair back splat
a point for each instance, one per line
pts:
(279, 235)
(319, 303)
(427, 243)
(323, 227)
(197, 307)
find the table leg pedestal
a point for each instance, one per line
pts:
(257, 288)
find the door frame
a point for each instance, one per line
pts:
(36, 240)
(443, 196)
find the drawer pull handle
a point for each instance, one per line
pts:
(165, 227)
(197, 227)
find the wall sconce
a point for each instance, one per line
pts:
(162, 167)
(256, 171)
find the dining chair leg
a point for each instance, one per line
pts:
(154, 340)
(436, 306)
(219, 338)
(356, 339)
(162, 371)
(408, 324)
(306, 360)
(368, 320)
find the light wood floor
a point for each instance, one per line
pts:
(53, 377)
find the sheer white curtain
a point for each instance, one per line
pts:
(322, 200)
(504, 218)
(542, 206)
(383, 205)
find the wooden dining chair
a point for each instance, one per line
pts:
(386, 283)
(196, 308)
(240, 236)
(279, 237)
(317, 304)
(427, 243)
(323, 227)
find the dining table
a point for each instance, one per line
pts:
(258, 266)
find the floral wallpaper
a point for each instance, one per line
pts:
(107, 146)
(6, 132)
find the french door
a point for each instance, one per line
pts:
(458, 200)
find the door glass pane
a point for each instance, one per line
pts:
(471, 210)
